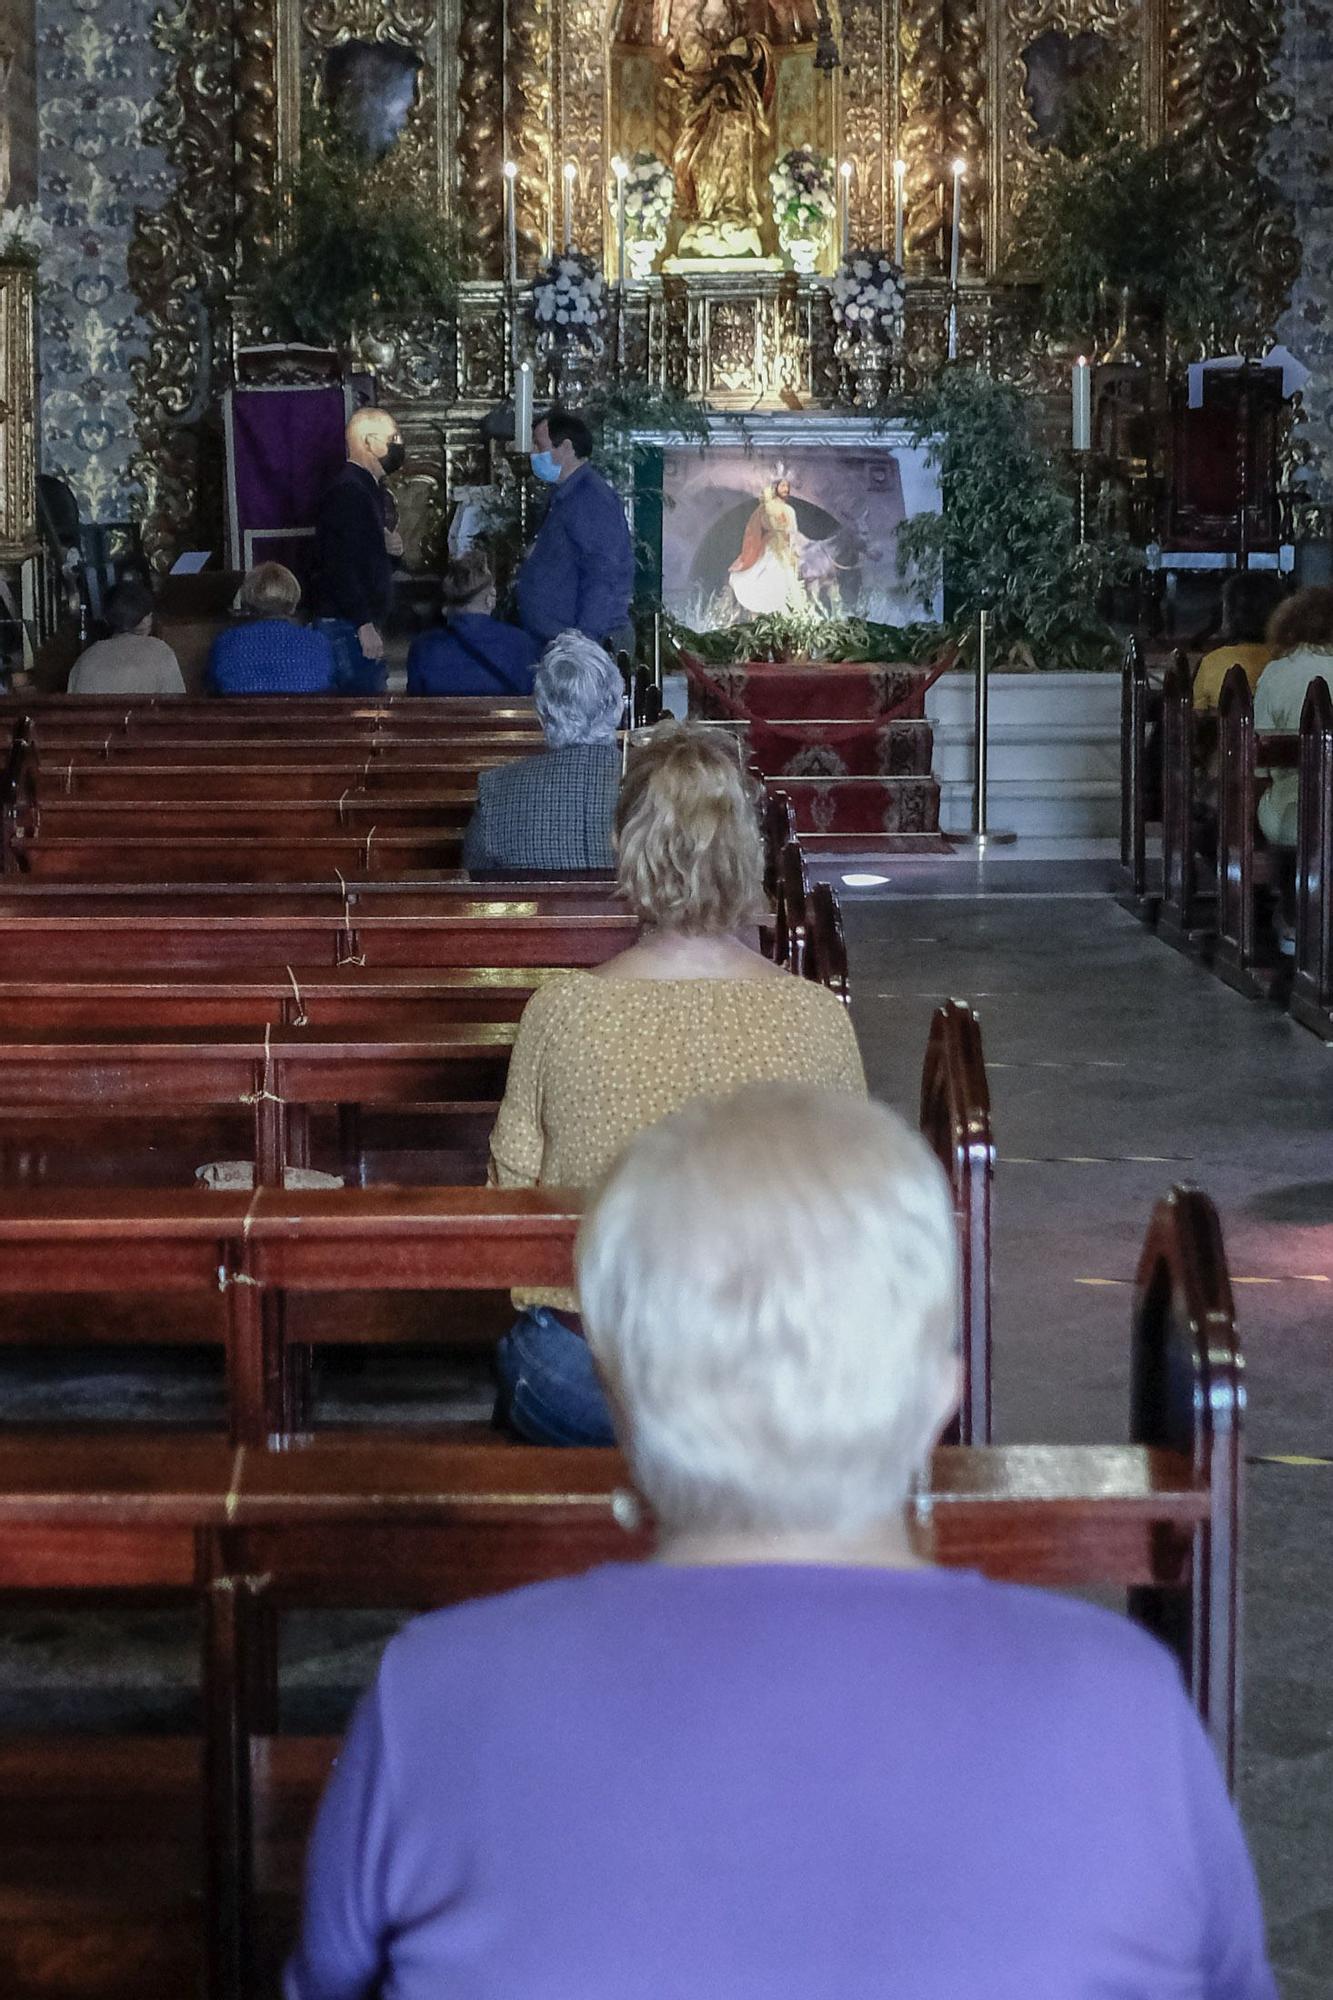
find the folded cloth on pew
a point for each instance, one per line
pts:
(230, 1175)
(778, 1780)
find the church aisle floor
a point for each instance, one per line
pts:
(1108, 1049)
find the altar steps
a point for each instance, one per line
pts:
(850, 743)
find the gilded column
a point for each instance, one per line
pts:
(867, 139)
(1221, 56)
(528, 112)
(481, 130)
(18, 412)
(256, 91)
(921, 127)
(965, 118)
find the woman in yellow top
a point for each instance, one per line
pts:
(687, 1012)
(1249, 598)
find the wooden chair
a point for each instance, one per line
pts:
(1311, 998)
(955, 1120)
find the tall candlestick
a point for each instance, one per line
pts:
(523, 408)
(845, 172)
(511, 221)
(1082, 404)
(899, 182)
(621, 171)
(959, 169)
(571, 174)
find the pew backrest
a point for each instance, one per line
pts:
(793, 895)
(826, 942)
(1133, 769)
(1187, 1395)
(956, 1122)
(1180, 900)
(1311, 1000)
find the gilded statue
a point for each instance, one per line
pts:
(724, 77)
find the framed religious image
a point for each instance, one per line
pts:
(792, 519)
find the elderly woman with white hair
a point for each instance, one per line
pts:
(553, 812)
(689, 1011)
(788, 1759)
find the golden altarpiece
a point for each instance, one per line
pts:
(549, 83)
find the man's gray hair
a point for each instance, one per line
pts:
(769, 1284)
(578, 692)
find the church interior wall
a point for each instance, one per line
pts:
(98, 79)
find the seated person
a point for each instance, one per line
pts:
(689, 1011)
(131, 661)
(787, 1759)
(1301, 636)
(1249, 598)
(268, 652)
(554, 811)
(474, 652)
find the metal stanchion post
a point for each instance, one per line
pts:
(983, 835)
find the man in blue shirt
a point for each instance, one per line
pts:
(579, 572)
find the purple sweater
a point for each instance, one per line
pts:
(777, 1784)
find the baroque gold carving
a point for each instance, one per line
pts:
(867, 116)
(528, 108)
(965, 117)
(922, 135)
(480, 129)
(18, 412)
(179, 263)
(1219, 77)
(256, 87)
(584, 117)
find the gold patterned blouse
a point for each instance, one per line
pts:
(596, 1060)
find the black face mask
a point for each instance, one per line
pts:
(393, 457)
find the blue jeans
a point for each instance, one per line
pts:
(549, 1391)
(353, 673)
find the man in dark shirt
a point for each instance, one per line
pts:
(579, 572)
(354, 566)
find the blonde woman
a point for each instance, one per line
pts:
(267, 652)
(690, 1011)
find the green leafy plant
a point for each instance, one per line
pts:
(1006, 538)
(356, 247)
(814, 638)
(1128, 215)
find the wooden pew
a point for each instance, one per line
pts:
(1241, 955)
(415, 1525)
(1184, 917)
(1311, 998)
(468, 924)
(1134, 720)
(955, 1119)
(826, 942)
(793, 895)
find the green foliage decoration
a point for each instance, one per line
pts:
(1006, 536)
(1129, 215)
(781, 637)
(356, 247)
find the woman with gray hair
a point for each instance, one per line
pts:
(787, 1760)
(552, 813)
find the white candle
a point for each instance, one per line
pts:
(621, 170)
(959, 169)
(1082, 404)
(523, 408)
(571, 174)
(845, 170)
(899, 184)
(511, 221)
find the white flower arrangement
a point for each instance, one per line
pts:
(650, 196)
(24, 235)
(804, 188)
(867, 295)
(568, 298)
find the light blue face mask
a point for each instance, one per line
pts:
(544, 465)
